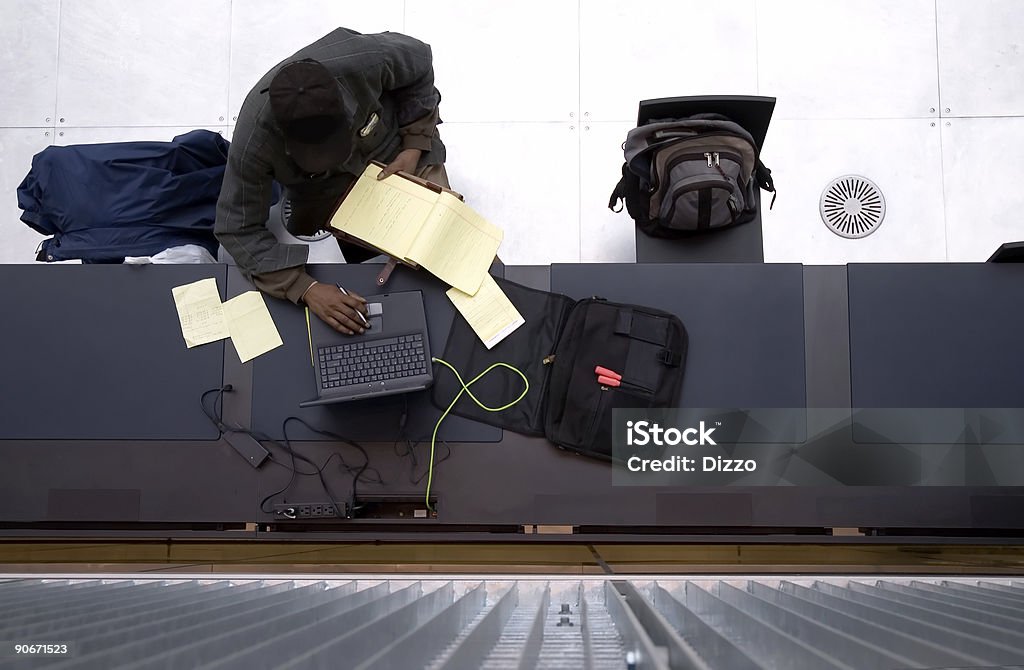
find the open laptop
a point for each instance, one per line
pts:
(392, 356)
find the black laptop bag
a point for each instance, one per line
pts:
(558, 349)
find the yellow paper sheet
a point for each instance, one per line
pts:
(456, 244)
(415, 224)
(387, 214)
(252, 329)
(200, 312)
(490, 313)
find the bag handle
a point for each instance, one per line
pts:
(764, 180)
(618, 196)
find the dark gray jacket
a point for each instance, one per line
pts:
(388, 74)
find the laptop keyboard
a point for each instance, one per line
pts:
(376, 361)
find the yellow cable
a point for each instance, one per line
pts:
(309, 334)
(465, 389)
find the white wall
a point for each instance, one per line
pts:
(924, 97)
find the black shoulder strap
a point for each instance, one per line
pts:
(764, 180)
(618, 196)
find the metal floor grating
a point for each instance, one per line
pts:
(734, 623)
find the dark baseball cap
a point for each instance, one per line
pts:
(308, 106)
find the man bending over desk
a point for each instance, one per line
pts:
(313, 123)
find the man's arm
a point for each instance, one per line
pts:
(276, 269)
(408, 75)
(242, 210)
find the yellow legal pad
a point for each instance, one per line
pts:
(422, 225)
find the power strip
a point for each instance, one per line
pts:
(300, 511)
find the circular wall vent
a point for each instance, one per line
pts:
(852, 206)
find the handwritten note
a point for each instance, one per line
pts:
(456, 244)
(421, 226)
(252, 328)
(200, 312)
(386, 214)
(490, 313)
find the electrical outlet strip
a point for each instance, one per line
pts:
(305, 511)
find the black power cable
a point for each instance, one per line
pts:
(410, 447)
(361, 472)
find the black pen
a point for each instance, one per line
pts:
(361, 317)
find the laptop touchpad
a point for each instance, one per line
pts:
(375, 312)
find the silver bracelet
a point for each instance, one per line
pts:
(302, 298)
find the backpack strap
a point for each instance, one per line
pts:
(764, 180)
(618, 197)
(708, 116)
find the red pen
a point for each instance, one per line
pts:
(608, 381)
(605, 372)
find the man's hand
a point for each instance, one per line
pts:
(405, 161)
(335, 308)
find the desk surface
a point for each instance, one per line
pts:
(745, 323)
(282, 378)
(947, 340)
(937, 335)
(487, 486)
(96, 352)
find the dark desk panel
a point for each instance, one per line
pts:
(283, 378)
(946, 340)
(96, 352)
(745, 324)
(481, 487)
(103, 484)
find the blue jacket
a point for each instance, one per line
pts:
(102, 202)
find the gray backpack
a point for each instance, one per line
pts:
(690, 175)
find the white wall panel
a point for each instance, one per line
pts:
(605, 237)
(129, 63)
(984, 200)
(18, 242)
(501, 61)
(68, 136)
(28, 62)
(524, 178)
(848, 60)
(265, 32)
(637, 51)
(903, 157)
(856, 83)
(981, 57)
